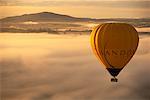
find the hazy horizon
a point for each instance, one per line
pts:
(78, 8)
(77, 16)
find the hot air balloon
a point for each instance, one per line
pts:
(114, 44)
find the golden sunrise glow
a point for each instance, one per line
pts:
(78, 8)
(93, 12)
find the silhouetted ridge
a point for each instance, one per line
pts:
(38, 17)
(53, 17)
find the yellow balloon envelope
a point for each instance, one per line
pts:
(114, 44)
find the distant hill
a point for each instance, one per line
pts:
(43, 16)
(58, 23)
(49, 17)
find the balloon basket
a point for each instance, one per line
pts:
(114, 79)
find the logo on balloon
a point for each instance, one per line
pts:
(113, 52)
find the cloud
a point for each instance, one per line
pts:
(7, 2)
(3, 3)
(107, 9)
(102, 3)
(76, 76)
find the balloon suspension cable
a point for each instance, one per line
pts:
(114, 79)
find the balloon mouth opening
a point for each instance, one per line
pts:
(114, 71)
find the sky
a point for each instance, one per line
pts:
(78, 8)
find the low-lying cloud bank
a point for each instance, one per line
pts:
(73, 74)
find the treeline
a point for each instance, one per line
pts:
(18, 30)
(48, 30)
(40, 30)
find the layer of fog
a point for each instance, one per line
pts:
(51, 67)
